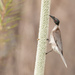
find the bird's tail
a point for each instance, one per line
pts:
(63, 60)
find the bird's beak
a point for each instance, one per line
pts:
(52, 17)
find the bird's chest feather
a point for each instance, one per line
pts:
(53, 44)
(52, 41)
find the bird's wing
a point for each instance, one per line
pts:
(58, 40)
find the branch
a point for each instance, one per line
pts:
(43, 35)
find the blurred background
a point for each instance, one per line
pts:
(17, 55)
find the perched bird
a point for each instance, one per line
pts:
(55, 39)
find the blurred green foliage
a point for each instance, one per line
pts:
(9, 17)
(9, 13)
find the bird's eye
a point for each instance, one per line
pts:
(55, 20)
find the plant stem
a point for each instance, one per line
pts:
(43, 35)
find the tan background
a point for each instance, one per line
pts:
(21, 60)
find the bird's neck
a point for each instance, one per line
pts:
(55, 27)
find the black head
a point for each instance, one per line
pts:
(56, 21)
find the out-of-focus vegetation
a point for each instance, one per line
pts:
(7, 9)
(9, 17)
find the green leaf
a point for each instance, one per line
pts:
(9, 20)
(7, 12)
(0, 18)
(8, 3)
(13, 26)
(1, 6)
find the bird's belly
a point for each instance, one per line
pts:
(53, 44)
(52, 40)
(55, 48)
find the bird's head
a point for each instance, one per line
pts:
(56, 21)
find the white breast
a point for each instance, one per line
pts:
(52, 41)
(51, 35)
(53, 44)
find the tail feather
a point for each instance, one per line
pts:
(63, 60)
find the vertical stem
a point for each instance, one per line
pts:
(43, 35)
(2, 12)
(1, 5)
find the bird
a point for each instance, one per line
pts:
(55, 39)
